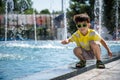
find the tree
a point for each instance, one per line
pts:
(92, 2)
(2, 7)
(110, 14)
(45, 11)
(18, 5)
(23, 5)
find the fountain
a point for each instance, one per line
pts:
(20, 59)
(98, 11)
(9, 6)
(65, 23)
(117, 18)
(10, 16)
(25, 58)
(98, 14)
(34, 18)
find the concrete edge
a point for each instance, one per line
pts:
(82, 70)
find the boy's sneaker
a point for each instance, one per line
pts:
(100, 64)
(81, 64)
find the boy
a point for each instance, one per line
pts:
(87, 42)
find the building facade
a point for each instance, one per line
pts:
(22, 27)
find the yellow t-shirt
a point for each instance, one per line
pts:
(83, 41)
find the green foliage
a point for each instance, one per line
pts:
(2, 7)
(45, 11)
(91, 2)
(28, 11)
(110, 14)
(57, 12)
(17, 6)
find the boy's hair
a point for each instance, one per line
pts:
(81, 17)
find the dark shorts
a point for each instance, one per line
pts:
(88, 54)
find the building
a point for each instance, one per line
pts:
(48, 27)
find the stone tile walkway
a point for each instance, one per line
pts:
(111, 72)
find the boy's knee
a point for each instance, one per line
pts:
(77, 49)
(94, 44)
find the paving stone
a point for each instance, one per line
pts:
(111, 72)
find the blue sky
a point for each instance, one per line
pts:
(48, 4)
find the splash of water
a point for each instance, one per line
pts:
(117, 18)
(98, 14)
(11, 57)
(98, 11)
(65, 21)
(41, 45)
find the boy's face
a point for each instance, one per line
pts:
(83, 26)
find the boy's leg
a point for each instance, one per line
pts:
(96, 49)
(97, 52)
(78, 53)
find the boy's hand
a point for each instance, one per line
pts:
(110, 53)
(65, 41)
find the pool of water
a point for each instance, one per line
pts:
(20, 58)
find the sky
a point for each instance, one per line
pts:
(49, 4)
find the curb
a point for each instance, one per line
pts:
(82, 70)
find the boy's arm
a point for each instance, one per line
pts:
(107, 48)
(65, 41)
